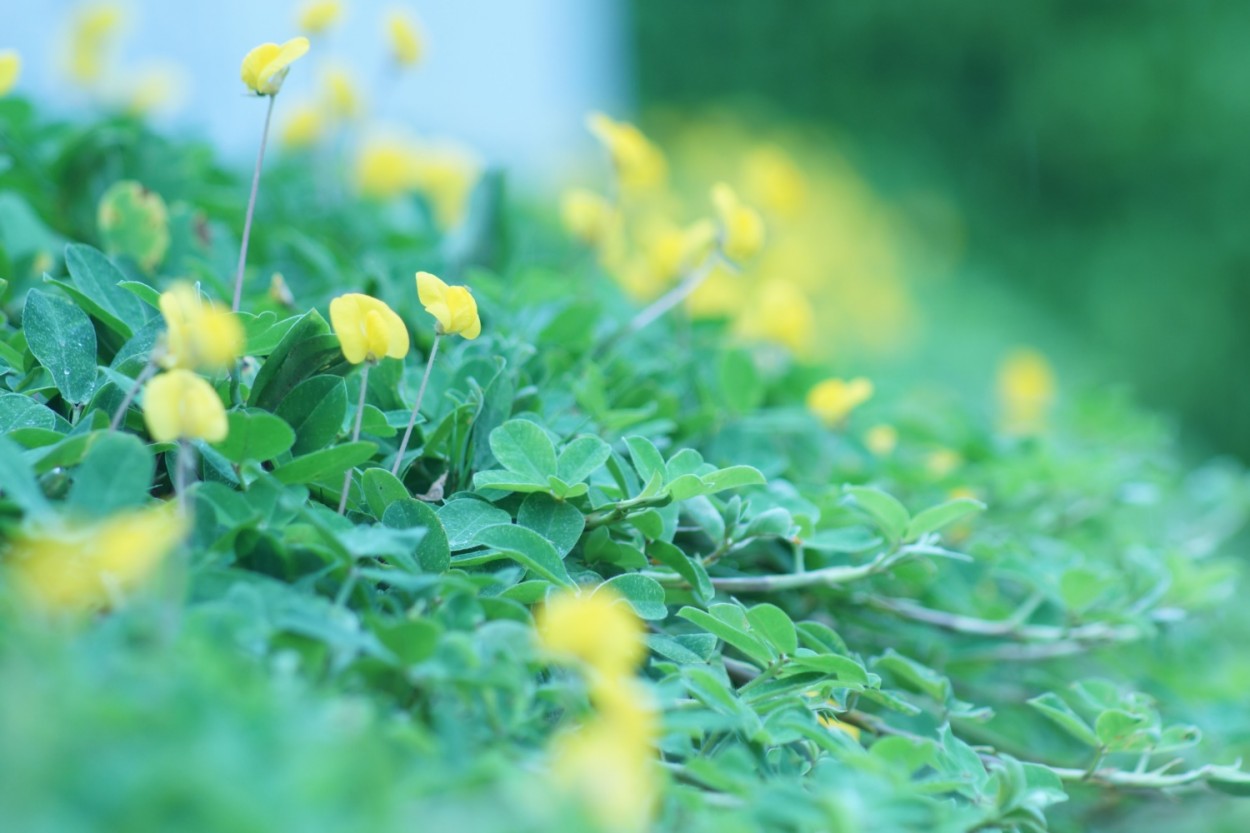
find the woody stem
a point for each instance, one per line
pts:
(412, 420)
(251, 208)
(360, 412)
(144, 375)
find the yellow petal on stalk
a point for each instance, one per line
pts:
(742, 228)
(10, 70)
(199, 334)
(367, 328)
(77, 567)
(638, 163)
(341, 93)
(265, 67)
(179, 405)
(586, 215)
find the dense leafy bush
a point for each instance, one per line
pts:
(936, 625)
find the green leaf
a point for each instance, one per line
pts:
(315, 410)
(688, 568)
(647, 460)
(255, 435)
(1116, 728)
(1059, 712)
(775, 522)
(557, 521)
(20, 411)
(464, 518)
(433, 553)
(645, 595)
(308, 349)
(381, 490)
(734, 477)
(739, 380)
(526, 547)
(61, 338)
(734, 634)
(890, 515)
(115, 474)
(1229, 780)
(328, 461)
(847, 670)
(774, 625)
(582, 458)
(522, 447)
(915, 675)
(942, 515)
(17, 481)
(99, 281)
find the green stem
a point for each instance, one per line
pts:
(416, 407)
(360, 412)
(251, 207)
(148, 370)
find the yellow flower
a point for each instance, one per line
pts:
(10, 69)
(265, 67)
(452, 306)
(1026, 391)
(586, 215)
(833, 399)
(387, 167)
(833, 724)
(178, 405)
(781, 312)
(342, 101)
(598, 629)
(881, 440)
(157, 87)
(318, 16)
(404, 37)
(90, 39)
(367, 328)
(638, 163)
(718, 295)
(741, 228)
(199, 334)
(942, 462)
(610, 772)
(774, 180)
(303, 126)
(83, 567)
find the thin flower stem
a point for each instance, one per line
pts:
(251, 208)
(674, 296)
(148, 370)
(360, 412)
(412, 420)
(180, 475)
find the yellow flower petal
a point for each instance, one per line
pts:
(367, 328)
(742, 228)
(87, 567)
(265, 67)
(199, 334)
(10, 69)
(833, 399)
(638, 163)
(404, 37)
(1026, 391)
(598, 629)
(318, 16)
(453, 307)
(178, 405)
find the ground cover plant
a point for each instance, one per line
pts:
(466, 516)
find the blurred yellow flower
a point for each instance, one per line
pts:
(341, 95)
(598, 629)
(833, 399)
(586, 215)
(157, 87)
(452, 306)
(774, 181)
(718, 295)
(404, 37)
(741, 227)
(83, 567)
(881, 440)
(10, 69)
(199, 335)
(89, 41)
(609, 763)
(178, 405)
(638, 163)
(367, 328)
(304, 126)
(942, 462)
(781, 312)
(387, 167)
(265, 67)
(833, 724)
(1026, 391)
(316, 17)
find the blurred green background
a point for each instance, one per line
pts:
(1095, 153)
